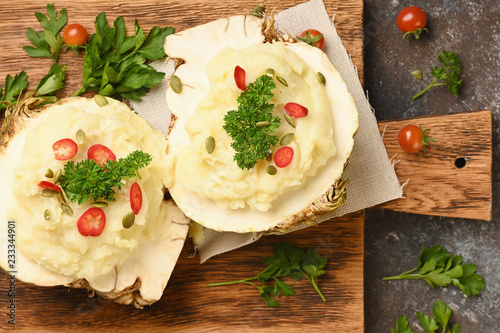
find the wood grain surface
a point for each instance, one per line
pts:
(188, 305)
(452, 177)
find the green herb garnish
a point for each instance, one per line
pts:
(87, 180)
(115, 64)
(251, 142)
(438, 267)
(49, 42)
(288, 261)
(13, 87)
(449, 75)
(441, 315)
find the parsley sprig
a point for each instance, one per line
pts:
(115, 64)
(288, 261)
(86, 180)
(441, 314)
(12, 88)
(449, 75)
(438, 267)
(250, 141)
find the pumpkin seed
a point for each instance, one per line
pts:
(269, 156)
(286, 139)
(100, 100)
(47, 215)
(262, 124)
(321, 78)
(64, 197)
(67, 209)
(176, 84)
(128, 220)
(99, 204)
(49, 173)
(289, 120)
(258, 10)
(417, 74)
(210, 144)
(281, 80)
(270, 72)
(80, 136)
(271, 170)
(47, 192)
(57, 175)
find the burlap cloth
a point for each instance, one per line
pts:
(372, 177)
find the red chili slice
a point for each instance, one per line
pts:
(64, 149)
(49, 186)
(100, 154)
(295, 110)
(92, 222)
(240, 78)
(135, 198)
(283, 156)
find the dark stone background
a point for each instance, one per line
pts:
(394, 240)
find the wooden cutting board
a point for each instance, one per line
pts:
(188, 305)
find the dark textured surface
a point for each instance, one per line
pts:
(394, 240)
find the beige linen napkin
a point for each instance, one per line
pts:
(372, 177)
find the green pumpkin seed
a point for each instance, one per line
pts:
(258, 10)
(57, 175)
(271, 170)
(80, 136)
(49, 173)
(286, 139)
(176, 84)
(262, 124)
(67, 209)
(47, 192)
(321, 78)
(128, 220)
(64, 197)
(281, 80)
(270, 72)
(210, 144)
(100, 100)
(289, 120)
(417, 74)
(99, 204)
(47, 215)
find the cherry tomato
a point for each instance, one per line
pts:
(240, 78)
(413, 139)
(295, 110)
(92, 222)
(283, 156)
(75, 35)
(100, 154)
(412, 20)
(49, 186)
(313, 37)
(135, 198)
(64, 149)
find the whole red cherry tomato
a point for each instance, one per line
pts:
(240, 78)
(412, 20)
(100, 154)
(413, 139)
(92, 222)
(283, 156)
(75, 35)
(64, 149)
(313, 37)
(135, 198)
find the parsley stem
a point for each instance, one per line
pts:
(427, 88)
(314, 284)
(403, 277)
(232, 282)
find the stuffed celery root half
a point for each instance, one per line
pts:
(220, 64)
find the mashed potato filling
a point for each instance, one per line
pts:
(56, 244)
(216, 176)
